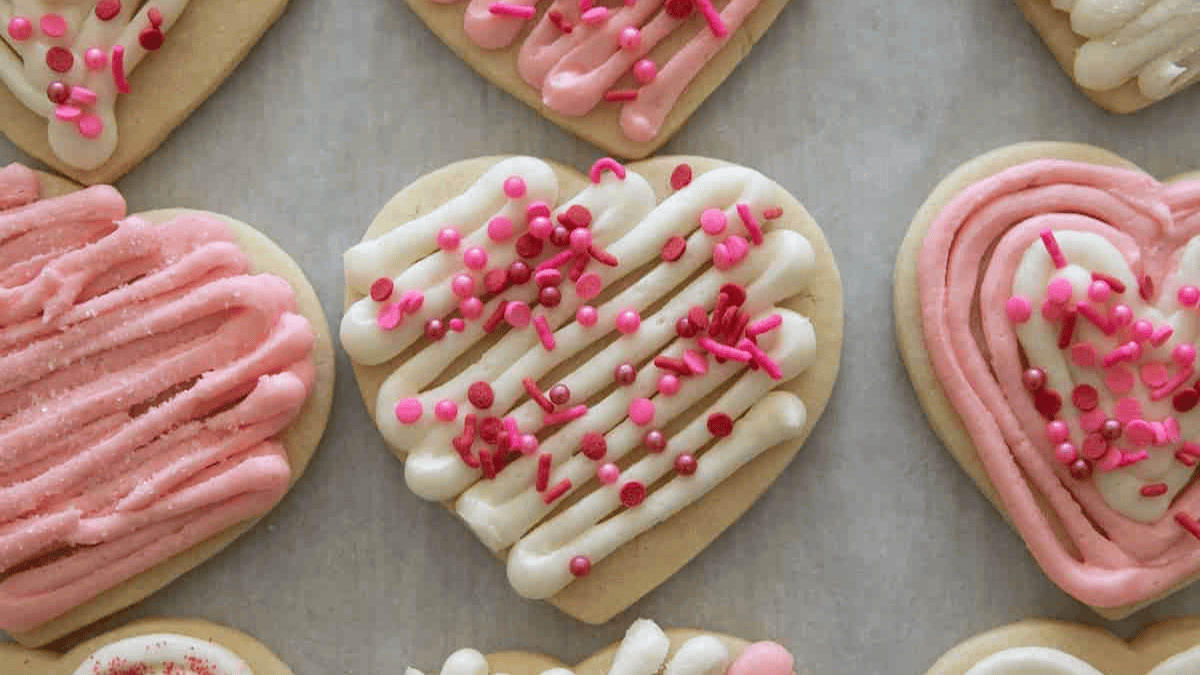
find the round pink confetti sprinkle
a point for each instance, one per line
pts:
(1058, 431)
(381, 289)
(90, 126)
(586, 315)
(1066, 453)
(1092, 420)
(1119, 379)
(463, 286)
(448, 239)
(641, 411)
(446, 410)
(1121, 315)
(1099, 291)
(500, 229)
(471, 308)
(106, 10)
(1051, 311)
(644, 71)
(475, 258)
(1139, 433)
(1188, 296)
(628, 321)
(1083, 354)
(541, 227)
(630, 38)
(721, 257)
(713, 221)
(589, 285)
(1141, 329)
(20, 29)
(514, 187)
(53, 25)
(581, 239)
(1019, 309)
(1127, 410)
(1184, 354)
(408, 410)
(95, 59)
(1155, 374)
(608, 473)
(412, 301)
(517, 314)
(1094, 446)
(668, 385)
(1058, 291)
(495, 280)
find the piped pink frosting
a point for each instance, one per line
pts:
(966, 273)
(144, 376)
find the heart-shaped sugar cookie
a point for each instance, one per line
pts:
(1056, 648)
(164, 380)
(1123, 55)
(152, 647)
(597, 374)
(623, 75)
(92, 88)
(645, 650)
(1045, 310)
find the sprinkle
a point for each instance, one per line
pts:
(409, 410)
(713, 221)
(514, 187)
(625, 374)
(724, 351)
(1154, 374)
(1129, 459)
(1085, 397)
(761, 358)
(1161, 335)
(641, 411)
(557, 491)
(475, 258)
(517, 314)
(1083, 354)
(581, 239)
(577, 215)
(593, 446)
(536, 394)
(529, 444)
(594, 16)
(543, 471)
(1113, 282)
(1126, 352)
(1188, 524)
(698, 317)
(734, 294)
(633, 493)
(587, 316)
(644, 71)
(1120, 315)
(82, 95)
(681, 176)
(608, 473)
(510, 427)
(446, 410)
(773, 213)
(508, 9)
(480, 395)
(457, 325)
(390, 317)
(555, 261)
(53, 25)
(1141, 330)
(628, 321)
(1190, 449)
(577, 268)
(695, 362)
(1092, 314)
(1146, 287)
(685, 465)
(1188, 296)
(1139, 433)
(490, 429)
(90, 126)
(530, 245)
(1098, 291)
(603, 257)
(20, 29)
(549, 296)
(677, 366)
(765, 325)
(1019, 309)
(382, 289)
(412, 301)
(58, 92)
(654, 441)
(435, 330)
(118, 69)
(1185, 459)
(588, 286)
(1059, 291)
(1033, 379)
(563, 416)
(107, 10)
(1047, 402)
(67, 113)
(1119, 379)
(1172, 384)
(59, 60)
(684, 328)
(543, 332)
(497, 316)
(1081, 469)
(673, 249)
(463, 286)
(1185, 400)
(715, 24)
(500, 229)
(1067, 330)
(486, 462)
(559, 22)
(1184, 354)
(580, 566)
(668, 385)
(748, 219)
(606, 164)
(1056, 254)
(720, 425)
(1094, 446)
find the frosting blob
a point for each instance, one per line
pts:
(1046, 661)
(163, 654)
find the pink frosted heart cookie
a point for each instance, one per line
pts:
(1046, 301)
(624, 76)
(573, 362)
(164, 379)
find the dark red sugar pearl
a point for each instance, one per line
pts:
(593, 446)
(58, 92)
(1085, 397)
(655, 441)
(1081, 469)
(1185, 400)
(435, 329)
(681, 176)
(684, 328)
(1110, 429)
(580, 565)
(529, 246)
(633, 493)
(625, 374)
(685, 465)
(490, 429)
(560, 394)
(673, 249)
(480, 395)
(1047, 402)
(560, 236)
(720, 425)
(1034, 379)
(519, 273)
(549, 297)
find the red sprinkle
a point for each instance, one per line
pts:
(603, 257)
(106, 10)
(536, 394)
(1085, 397)
(60, 60)
(1188, 524)
(578, 267)
(1155, 490)
(543, 471)
(681, 176)
(490, 429)
(495, 280)
(720, 425)
(519, 272)
(593, 446)
(1146, 287)
(1047, 402)
(1052, 248)
(676, 366)
(544, 333)
(684, 328)
(1092, 314)
(1067, 330)
(734, 293)
(556, 18)
(486, 463)
(556, 261)
(621, 95)
(575, 216)
(698, 317)
(1184, 458)
(773, 213)
(1185, 400)
(151, 39)
(480, 395)
(496, 317)
(685, 465)
(633, 493)
(382, 289)
(673, 249)
(751, 223)
(679, 9)
(557, 491)
(1113, 282)
(564, 416)
(529, 246)
(580, 566)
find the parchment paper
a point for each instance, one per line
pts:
(873, 553)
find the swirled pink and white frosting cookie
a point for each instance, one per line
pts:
(156, 647)
(66, 64)
(645, 650)
(624, 75)
(574, 362)
(1046, 301)
(1125, 54)
(164, 378)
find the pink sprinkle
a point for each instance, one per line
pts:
(1160, 432)
(748, 219)
(1019, 309)
(446, 410)
(1057, 431)
(695, 361)
(510, 426)
(514, 187)
(1098, 291)
(715, 24)
(1139, 433)
(608, 473)
(1052, 312)
(668, 385)
(1154, 374)
(1066, 453)
(588, 286)
(556, 261)
(390, 316)
(1119, 379)
(644, 71)
(1056, 254)
(1172, 429)
(721, 258)
(1129, 459)
(95, 59)
(475, 258)
(724, 351)
(629, 38)
(1155, 490)
(563, 416)
(1161, 335)
(606, 164)
(1141, 330)
(382, 289)
(1184, 354)
(67, 113)
(641, 411)
(1092, 314)
(628, 321)
(458, 325)
(499, 229)
(82, 95)
(547, 277)
(543, 471)
(90, 126)
(543, 331)
(118, 69)
(1189, 448)
(1120, 315)
(529, 444)
(1059, 291)
(580, 239)
(20, 29)
(463, 286)
(508, 9)
(594, 16)
(1126, 352)
(412, 301)
(620, 95)
(1172, 384)
(1092, 420)
(713, 221)
(1083, 354)
(737, 246)
(448, 239)
(760, 357)
(1128, 410)
(1188, 296)
(408, 410)
(765, 325)
(586, 315)
(517, 314)
(53, 25)
(558, 490)
(471, 308)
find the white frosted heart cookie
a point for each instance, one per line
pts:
(93, 87)
(622, 76)
(152, 647)
(1054, 648)
(1124, 54)
(164, 379)
(645, 650)
(1046, 301)
(571, 362)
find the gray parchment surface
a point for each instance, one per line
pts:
(872, 554)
